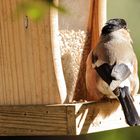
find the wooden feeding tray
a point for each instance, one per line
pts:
(42, 69)
(66, 119)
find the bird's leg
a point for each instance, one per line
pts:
(117, 91)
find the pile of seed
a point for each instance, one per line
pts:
(71, 44)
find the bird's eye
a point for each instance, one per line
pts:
(125, 27)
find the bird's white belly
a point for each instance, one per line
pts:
(104, 88)
(125, 83)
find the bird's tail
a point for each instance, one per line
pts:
(131, 115)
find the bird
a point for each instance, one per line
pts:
(112, 69)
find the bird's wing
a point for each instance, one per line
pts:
(120, 72)
(114, 74)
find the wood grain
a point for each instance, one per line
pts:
(97, 18)
(94, 117)
(28, 68)
(71, 120)
(33, 120)
(66, 119)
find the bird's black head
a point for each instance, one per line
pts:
(113, 25)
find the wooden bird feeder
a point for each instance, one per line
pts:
(38, 79)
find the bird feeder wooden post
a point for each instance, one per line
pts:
(34, 96)
(97, 18)
(31, 70)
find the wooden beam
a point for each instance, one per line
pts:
(56, 54)
(96, 117)
(97, 18)
(67, 119)
(33, 120)
(30, 62)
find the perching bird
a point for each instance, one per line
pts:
(111, 68)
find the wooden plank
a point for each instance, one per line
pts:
(62, 119)
(97, 18)
(95, 117)
(71, 120)
(29, 67)
(57, 54)
(33, 120)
